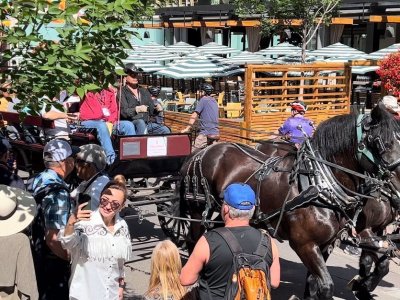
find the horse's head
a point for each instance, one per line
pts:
(378, 137)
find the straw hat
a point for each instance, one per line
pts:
(17, 210)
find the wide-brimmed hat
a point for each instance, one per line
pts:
(17, 210)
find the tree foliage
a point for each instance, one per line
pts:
(305, 15)
(389, 73)
(92, 36)
(309, 14)
(254, 7)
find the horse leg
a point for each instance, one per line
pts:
(369, 276)
(319, 283)
(195, 232)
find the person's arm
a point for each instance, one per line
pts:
(55, 115)
(192, 120)
(126, 111)
(199, 257)
(275, 269)
(54, 244)
(55, 217)
(79, 215)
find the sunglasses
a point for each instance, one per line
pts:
(114, 204)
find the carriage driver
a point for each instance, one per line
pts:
(290, 128)
(207, 111)
(135, 101)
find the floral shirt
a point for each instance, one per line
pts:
(98, 257)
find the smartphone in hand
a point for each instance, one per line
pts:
(85, 198)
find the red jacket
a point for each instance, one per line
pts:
(93, 105)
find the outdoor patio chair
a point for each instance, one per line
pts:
(233, 110)
(221, 97)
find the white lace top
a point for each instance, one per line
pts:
(98, 257)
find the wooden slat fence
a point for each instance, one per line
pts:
(269, 89)
(230, 129)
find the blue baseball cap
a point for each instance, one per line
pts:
(240, 196)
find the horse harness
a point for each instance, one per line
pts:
(316, 181)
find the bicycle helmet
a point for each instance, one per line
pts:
(299, 106)
(154, 90)
(207, 88)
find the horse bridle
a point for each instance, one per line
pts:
(385, 168)
(365, 138)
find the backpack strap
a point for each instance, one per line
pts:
(264, 248)
(230, 239)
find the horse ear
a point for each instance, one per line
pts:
(379, 113)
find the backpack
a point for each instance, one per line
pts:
(250, 275)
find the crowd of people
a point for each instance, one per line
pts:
(58, 243)
(62, 244)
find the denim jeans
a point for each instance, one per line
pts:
(140, 126)
(103, 135)
(124, 128)
(155, 128)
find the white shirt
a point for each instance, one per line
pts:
(98, 257)
(94, 190)
(61, 128)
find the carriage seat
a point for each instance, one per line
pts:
(83, 136)
(22, 141)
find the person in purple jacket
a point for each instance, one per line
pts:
(207, 111)
(290, 129)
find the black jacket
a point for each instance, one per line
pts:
(129, 103)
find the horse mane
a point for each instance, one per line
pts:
(336, 136)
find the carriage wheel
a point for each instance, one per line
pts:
(174, 229)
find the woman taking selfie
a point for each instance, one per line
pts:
(100, 244)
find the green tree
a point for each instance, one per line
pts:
(92, 36)
(276, 15)
(309, 13)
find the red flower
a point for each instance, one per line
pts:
(389, 71)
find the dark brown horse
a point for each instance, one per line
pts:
(368, 145)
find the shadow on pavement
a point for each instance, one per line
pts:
(292, 285)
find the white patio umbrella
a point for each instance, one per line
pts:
(246, 57)
(155, 55)
(363, 70)
(146, 65)
(199, 67)
(281, 49)
(336, 50)
(181, 48)
(149, 47)
(380, 54)
(214, 48)
(347, 58)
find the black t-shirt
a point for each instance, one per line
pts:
(216, 272)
